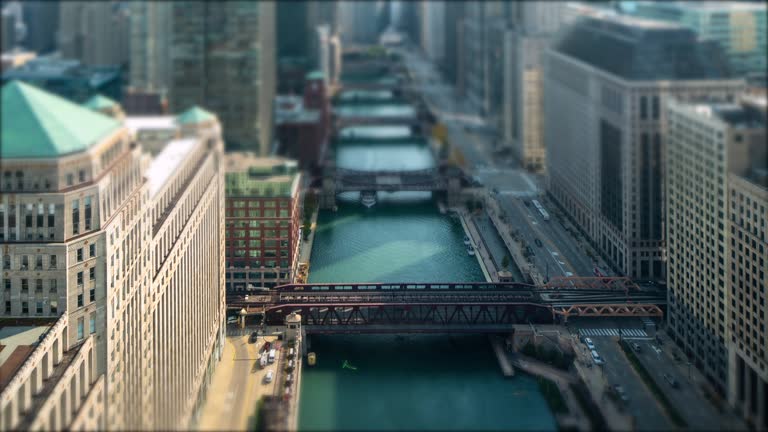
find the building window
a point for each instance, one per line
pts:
(24, 262)
(80, 329)
(24, 308)
(39, 308)
(92, 250)
(38, 285)
(54, 307)
(75, 217)
(7, 284)
(25, 285)
(53, 262)
(87, 213)
(51, 215)
(81, 175)
(92, 324)
(7, 306)
(92, 273)
(6, 262)
(70, 179)
(53, 285)
(92, 294)
(79, 254)
(80, 278)
(79, 300)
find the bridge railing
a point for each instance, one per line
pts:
(432, 286)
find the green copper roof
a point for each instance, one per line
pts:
(99, 102)
(315, 75)
(195, 115)
(38, 124)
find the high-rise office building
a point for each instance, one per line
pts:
(96, 33)
(739, 28)
(476, 51)
(357, 21)
(716, 216)
(432, 41)
(223, 57)
(150, 46)
(102, 245)
(41, 19)
(606, 83)
(454, 12)
(263, 215)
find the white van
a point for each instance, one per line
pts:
(291, 352)
(272, 354)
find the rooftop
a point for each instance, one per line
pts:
(137, 123)
(18, 339)
(99, 102)
(38, 124)
(165, 164)
(195, 115)
(250, 175)
(640, 49)
(51, 68)
(290, 109)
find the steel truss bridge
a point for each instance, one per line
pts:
(449, 307)
(416, 180)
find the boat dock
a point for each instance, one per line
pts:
(501, 356)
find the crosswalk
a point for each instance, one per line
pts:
(612, 332)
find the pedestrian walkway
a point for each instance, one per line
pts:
(613, 332)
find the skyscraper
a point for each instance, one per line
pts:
(150, 46)
(716, 212)
(533, 26)
(223, 57)
(607, 80)
(96, 33)
(102, 245)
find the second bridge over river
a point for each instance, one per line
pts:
(441, 307)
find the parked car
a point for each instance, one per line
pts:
(253, 337)
(671, 380)
(635, 346)
(596, 358)
(538, 242)
(269, 376)
(621, 393)
(589, 344)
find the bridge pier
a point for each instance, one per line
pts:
(327, 198)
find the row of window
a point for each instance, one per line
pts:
(258, 213)
(269, 243)
(256, 253)
(256, 203)
(24, 285)
(39, 305)
(268, 233)
(258, 224)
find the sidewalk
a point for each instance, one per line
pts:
(481, 251)
(513, 246)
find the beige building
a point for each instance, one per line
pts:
(103, 240)
(716, 238)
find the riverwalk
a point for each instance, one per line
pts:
(481, 251)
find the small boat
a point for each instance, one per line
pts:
(466, 241)
(311, 359)
(470, 251)
(368, 199)
(348, 365)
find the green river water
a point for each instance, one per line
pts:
(404, 382)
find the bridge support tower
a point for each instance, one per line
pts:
(327, 198)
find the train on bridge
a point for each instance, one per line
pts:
(449, 307)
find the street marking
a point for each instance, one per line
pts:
(612, 332)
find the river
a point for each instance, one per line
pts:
(405, 382)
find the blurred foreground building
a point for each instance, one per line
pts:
(607, 81)
(105, 251)
(717, 240)
(263, 216)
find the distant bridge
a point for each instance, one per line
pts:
(445, 307)
(342, 122)
(415, 180)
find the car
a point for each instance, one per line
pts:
(621, 393)
(269, 376)
(671, 380)
(253, 338)
(596, 358)
(589, 344)
(538, 242)
(635, 346)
